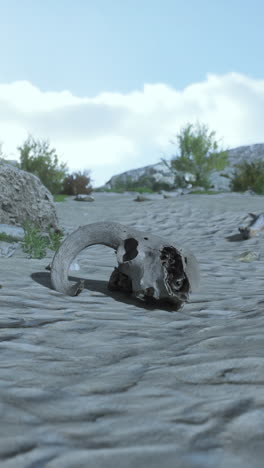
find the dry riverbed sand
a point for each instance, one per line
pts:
(99, 380)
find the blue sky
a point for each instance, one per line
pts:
(157, 51)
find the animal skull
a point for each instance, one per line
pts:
(148, 266)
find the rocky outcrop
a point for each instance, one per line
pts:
(220, 180)
(24, 197)
(154, 173)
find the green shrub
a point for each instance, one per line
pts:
(249, 176)
(35, 243)
(37, 157)
(59, 197)
(77, 183)
(144, 184)
(54, 240)
(199, 155)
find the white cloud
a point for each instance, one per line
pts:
(113, 132)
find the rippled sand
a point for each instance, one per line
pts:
(101, 381)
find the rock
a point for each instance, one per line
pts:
(154, 173)
(11, 162)
(221, 181)
(140, 198)
(7, 249)
(23, 197)
(83, 197)
(248, 256)
(246, 153)
(13, 231)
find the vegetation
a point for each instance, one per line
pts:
(144, 184)
(204, 192)
(77, 183)
(59, 197)
(199, 156)
(37, 157)
(7, 238)
(249, 176)
(35, 243)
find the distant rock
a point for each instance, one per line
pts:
(11, 162)
(24, 197)
(141, 198)
(84, 197)
(246, 153)
(220, 180)
(156, 172)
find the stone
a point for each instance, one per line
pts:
(84, 197)
(221, 181)
(141, 198)
(155, 173)
(248, 256)
(13, 231)
(24, 197)
(7, 249)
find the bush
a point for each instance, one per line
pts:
(249, 176)
(77, 183)
(199, 155)
(37, 157)
(35, 243)
(59, 197)
(144, 184)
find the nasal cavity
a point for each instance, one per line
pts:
(130, 249)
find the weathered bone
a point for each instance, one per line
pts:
(255, 224)
(148, 266)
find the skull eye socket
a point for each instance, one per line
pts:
(178, 283)
(130, 248)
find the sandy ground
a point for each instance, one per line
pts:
(101, 381)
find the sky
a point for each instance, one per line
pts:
(110, 83)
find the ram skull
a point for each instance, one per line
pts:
(148, 266)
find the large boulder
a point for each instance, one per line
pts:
(154, 173)
(24, 197)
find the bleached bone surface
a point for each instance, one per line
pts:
(148, 266)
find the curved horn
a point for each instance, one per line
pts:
(109, 234)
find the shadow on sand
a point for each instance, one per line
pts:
(101, 287)
(235, 238)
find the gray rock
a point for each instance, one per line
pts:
(248, 256)
(221, 181)
(14, 231)
(141, 198)
(155, 172)
(7, 249)
(23, 197)
(84, 197)
(246, 153)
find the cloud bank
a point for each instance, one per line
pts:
(114, 132)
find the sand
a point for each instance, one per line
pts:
(100, 380)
